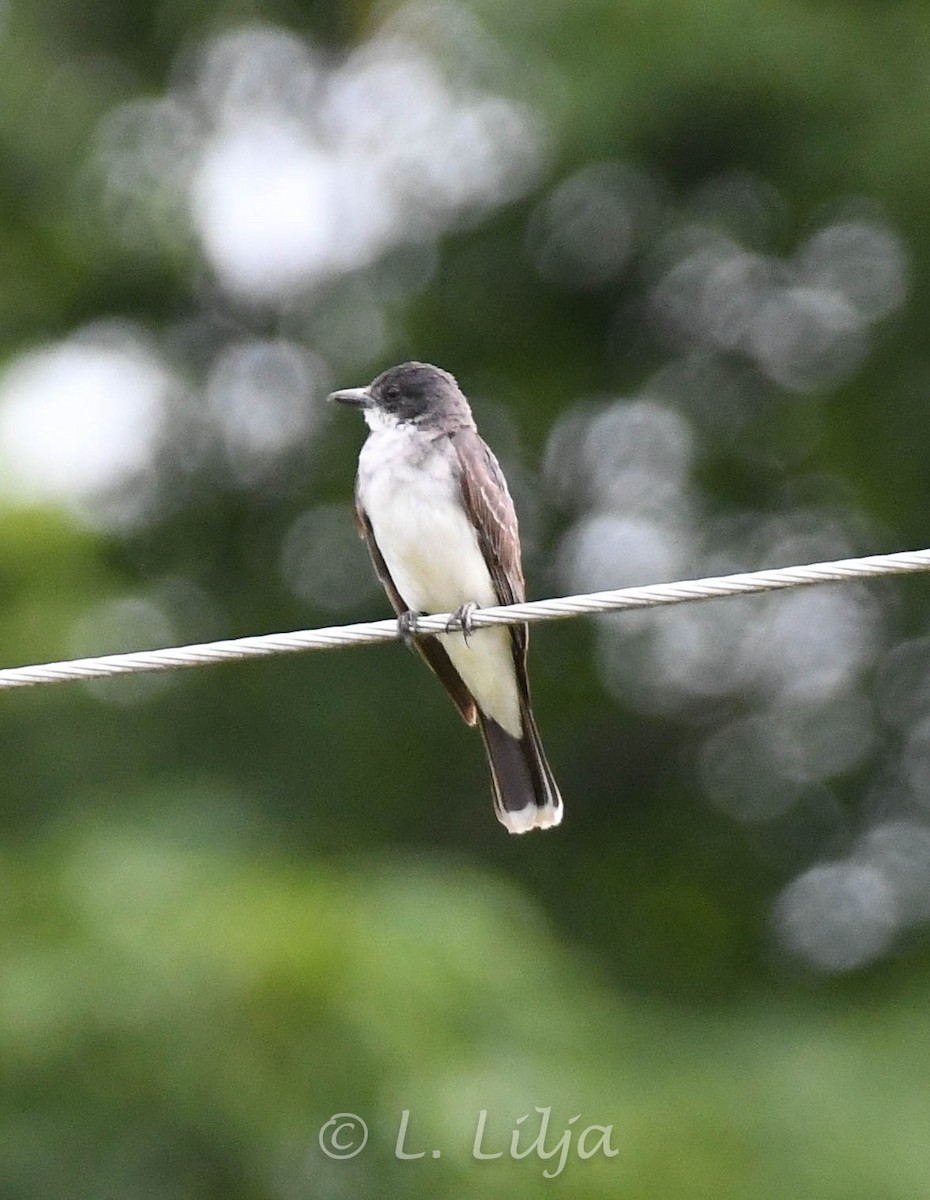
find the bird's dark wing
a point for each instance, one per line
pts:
(488, 503)
(429, 647)
(520, 774)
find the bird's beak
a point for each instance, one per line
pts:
(356, 397)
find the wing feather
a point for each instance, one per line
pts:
(490, 507)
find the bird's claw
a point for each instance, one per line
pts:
(462, 617)
(407, 627)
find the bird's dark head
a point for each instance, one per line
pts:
(413, 393)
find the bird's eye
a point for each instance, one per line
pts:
(391, 392)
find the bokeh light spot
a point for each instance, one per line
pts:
(838, 916)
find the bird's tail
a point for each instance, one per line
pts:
(525, 793)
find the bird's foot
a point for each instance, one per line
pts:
(407, 627)
(462, 617)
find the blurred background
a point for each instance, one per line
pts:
(675, 254)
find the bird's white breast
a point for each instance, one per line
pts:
(408, 486)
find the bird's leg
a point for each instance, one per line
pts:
(407, 627)
(463, 617)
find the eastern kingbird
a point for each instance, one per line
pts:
(433, 506)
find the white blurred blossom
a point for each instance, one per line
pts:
(900, 848)
(588, 228)
(838, 916)
(260, 396)
(292, 170)
(860, 260)
(607, 550)
(804, 321)
(81, 422)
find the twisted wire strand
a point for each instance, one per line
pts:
(370, 632)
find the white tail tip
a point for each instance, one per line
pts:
(532, 816)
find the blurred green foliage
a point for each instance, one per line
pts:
(245, 899)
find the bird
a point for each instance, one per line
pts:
(434, 509)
